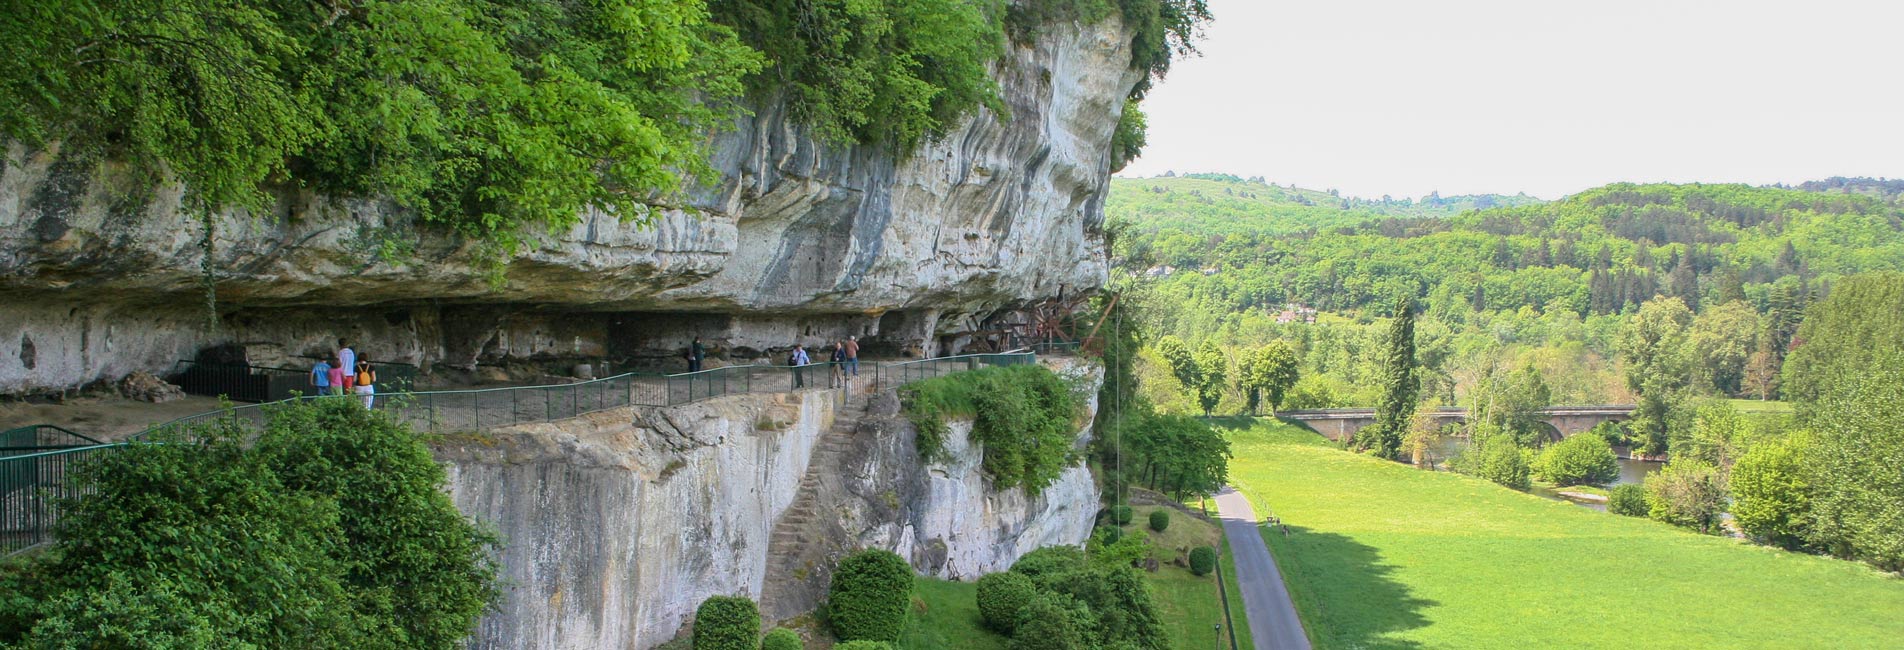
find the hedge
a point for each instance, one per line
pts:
(727, 623)
(1159, 520)
(869, 595)
(1121, 515)
(782, 639)
(1001, 596)
(1202, 560)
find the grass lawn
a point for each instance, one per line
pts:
(1188, 605)
(1760, 406)
(1387, 556)
(945, 617)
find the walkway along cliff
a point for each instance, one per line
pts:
(616, 524)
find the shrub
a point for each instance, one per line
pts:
(1054, 621)
(1202, 560)
(1501, 461)
(1117, 605)
(1024, 417)
(1106, 535)
(1579, 460)
(332, 530)
(1122, 550)
(727, 623)
(1688, 493)
(1121, 515)
(1042, 564)
(863, 644)
(1771, 486)
(1159, 520)
(1001, 596)
(868, 599)
(1627, 499)
(782, 639)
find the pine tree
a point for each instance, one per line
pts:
(1401, 388)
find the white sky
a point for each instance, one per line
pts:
(1549, 97)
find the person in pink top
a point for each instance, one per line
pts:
(337, 380)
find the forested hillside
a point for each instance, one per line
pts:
(1546, 285)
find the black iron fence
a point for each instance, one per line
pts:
(247, 383)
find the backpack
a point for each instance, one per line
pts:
(366, 377)
(793, 358)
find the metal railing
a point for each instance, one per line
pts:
(247, 383)
(32, 482)
(31, 488)
(35, 438)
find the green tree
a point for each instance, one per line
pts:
(1178, 454)
(1512, 402)
(1401, 388)
(727, 623)
(1213, 369)
(1771, 488)
(1579, 460)
(1183, 364)
(1860, 446)
(1718, 435)
(1269, 372)
(869, 595)
(1723, 338)
(1658, 369)
(1689, 493)
(1841, 335)
(332, 530)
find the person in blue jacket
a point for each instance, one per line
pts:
(321, 377)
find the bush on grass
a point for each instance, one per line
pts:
(727, 623)
(782, 639)
(1001, 596)
(1628, 499)
(1159, 520)
(1202, 560)
(1121, 515)
(868, 599)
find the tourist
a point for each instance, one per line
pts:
(696, 352)
(366, 385)
(337, 379)
(797, 359)
(839, 364)
(852, 355)
(321, 377)
(346, 359)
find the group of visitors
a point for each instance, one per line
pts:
(351, 375)
(844, 360)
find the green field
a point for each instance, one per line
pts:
(1387, 556)
(945, 616)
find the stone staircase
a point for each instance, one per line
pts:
(802, 522)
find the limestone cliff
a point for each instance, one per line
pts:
(616, 525)
(794, 241)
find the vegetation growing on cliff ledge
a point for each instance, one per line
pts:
(1024, 417)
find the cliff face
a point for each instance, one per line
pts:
(616, 525)
(795, 241)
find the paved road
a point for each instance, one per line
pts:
(1272, 616)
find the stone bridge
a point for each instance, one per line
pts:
(1340, 424)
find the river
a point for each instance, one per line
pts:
(1631, 471)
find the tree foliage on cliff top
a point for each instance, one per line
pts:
(490, 118)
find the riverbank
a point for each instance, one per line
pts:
(1385, 555)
